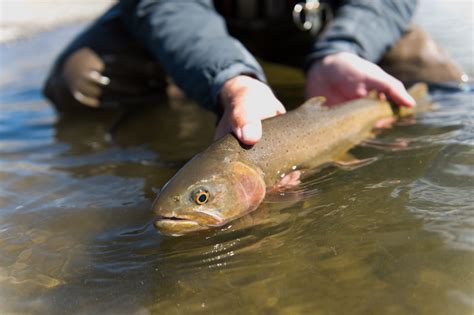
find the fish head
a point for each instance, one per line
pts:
(207, 192)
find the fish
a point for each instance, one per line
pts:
(229, 180)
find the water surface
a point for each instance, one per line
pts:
(392, 237)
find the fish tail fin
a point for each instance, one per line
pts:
(419, 92)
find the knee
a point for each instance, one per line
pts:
(416, 57)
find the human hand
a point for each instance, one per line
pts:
(90, 80)
(246, 102)
(344, 76)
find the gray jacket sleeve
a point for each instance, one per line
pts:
(367, 28)
(190, 40)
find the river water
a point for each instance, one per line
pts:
(392, 237)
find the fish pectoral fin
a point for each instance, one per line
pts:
(288, 181)
(348, 162)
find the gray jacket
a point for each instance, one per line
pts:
(191, 41)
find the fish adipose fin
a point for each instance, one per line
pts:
(314, 103)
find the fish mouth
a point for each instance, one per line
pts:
(183, 224)
(176, 226)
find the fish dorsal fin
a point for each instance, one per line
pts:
(314, 103)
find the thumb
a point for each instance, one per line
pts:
(249, 133)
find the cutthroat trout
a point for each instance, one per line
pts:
(227, 180)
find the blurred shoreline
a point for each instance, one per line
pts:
(23, 19)
(20, 19)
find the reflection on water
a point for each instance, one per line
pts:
(394, 236)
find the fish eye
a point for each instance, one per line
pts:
(201, 196)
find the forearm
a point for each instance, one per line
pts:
(191, 41)
(367, 28)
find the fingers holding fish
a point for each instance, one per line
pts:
(392, 88)
(246, 103)
(345, 76)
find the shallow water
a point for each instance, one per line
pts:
(392, 237)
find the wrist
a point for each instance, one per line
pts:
(236, 86)
(332, 58)
(324, 48)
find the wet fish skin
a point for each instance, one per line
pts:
(236, 177)
(235, 188)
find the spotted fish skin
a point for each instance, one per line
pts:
(236, 177)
